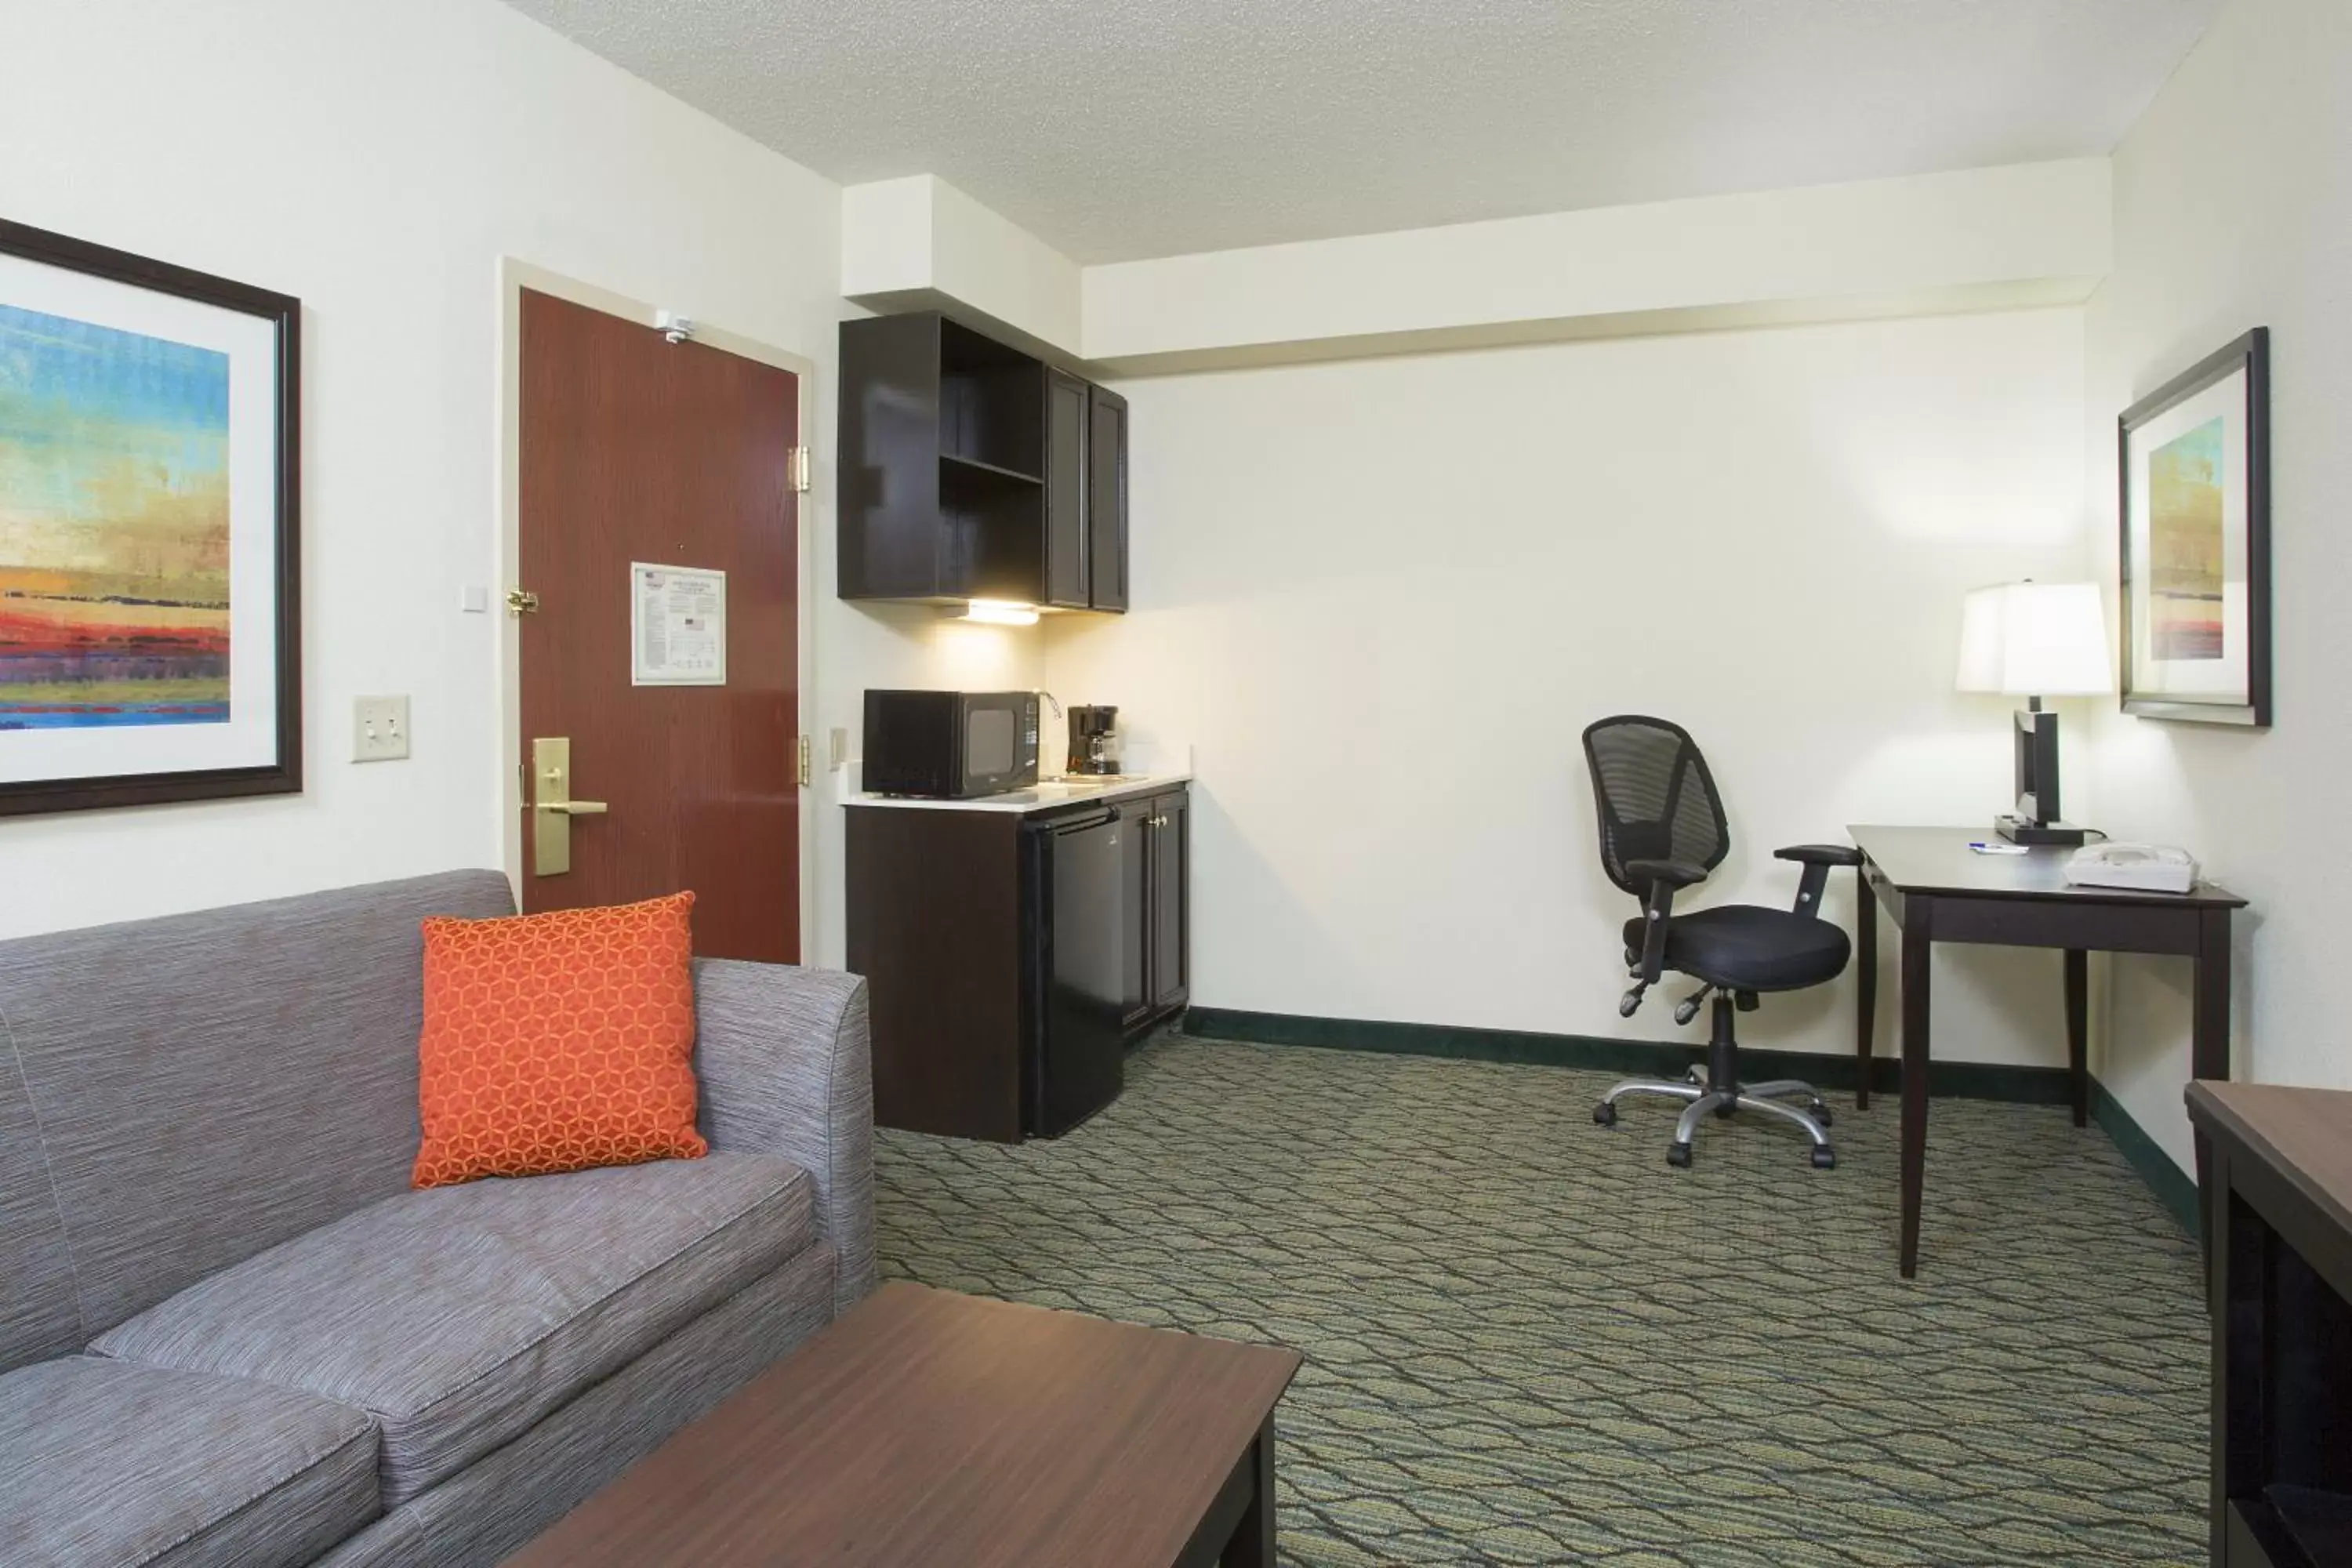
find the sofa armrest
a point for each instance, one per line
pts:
(787, 1069)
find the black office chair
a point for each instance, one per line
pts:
(1662, 830)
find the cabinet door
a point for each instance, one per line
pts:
(1171, 912)
(887, 538)
(1135, 910)
(1107, 499)
(1068, 415)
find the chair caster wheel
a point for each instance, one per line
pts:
(1824, 1157)
(1679, 1156)
(1820, 1113)
(1605, 1115)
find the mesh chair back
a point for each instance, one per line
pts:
(1654, 797)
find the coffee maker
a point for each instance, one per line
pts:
(1093, 742)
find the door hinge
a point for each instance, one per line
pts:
(521, 604)
(798, 467)
(804, 761)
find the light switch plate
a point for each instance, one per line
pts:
(837, 754)
(379, 729)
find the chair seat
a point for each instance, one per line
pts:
(1747, 947)
(459, 1316)
(109, 1466)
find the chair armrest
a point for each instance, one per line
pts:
(1818, 859)
(786, 1067)
(1820, 853)
(1658, 908)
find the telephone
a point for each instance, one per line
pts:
(2142, 867)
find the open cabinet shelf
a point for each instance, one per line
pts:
(971, 470)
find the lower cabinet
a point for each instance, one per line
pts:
(1010, 960)
(1154, 911)
(1166, 911)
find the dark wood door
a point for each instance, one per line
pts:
(1171, 834)
(1067, 417)
(1106, 499)
(635, 449)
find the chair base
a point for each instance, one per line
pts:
(1719, 1092)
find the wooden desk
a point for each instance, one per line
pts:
(2279, 1265)
(1938, 889)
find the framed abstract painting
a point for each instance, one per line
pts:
(2196, 513)
(150, 584)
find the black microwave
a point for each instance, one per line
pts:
(950, 745)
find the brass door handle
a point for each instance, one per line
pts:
(553, 808)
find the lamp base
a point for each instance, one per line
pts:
(2017, 830)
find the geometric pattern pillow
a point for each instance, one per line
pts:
(557, 1042)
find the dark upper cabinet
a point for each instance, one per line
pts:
(1068, 575)
(942, 463)
(970, 470)
(1106, 499)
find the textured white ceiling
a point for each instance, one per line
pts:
(1118, 129)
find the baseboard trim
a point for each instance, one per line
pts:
(1958, 1081)
(2175, 1188)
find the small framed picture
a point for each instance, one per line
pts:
(2196, 561)
(149, 594)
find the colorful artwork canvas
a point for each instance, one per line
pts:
(114, 527)
(2193, 570)
(2185, 567)
(149, 531)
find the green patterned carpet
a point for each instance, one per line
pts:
(1528, 1340)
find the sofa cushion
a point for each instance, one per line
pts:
(117, 1467)
(459, 1316)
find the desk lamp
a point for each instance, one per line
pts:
(2035, 640)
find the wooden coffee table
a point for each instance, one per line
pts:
(931, 1429)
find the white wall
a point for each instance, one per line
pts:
(376, 161)
(921, 239)
(2024, 233)
(1381, 599)
(2233, 209)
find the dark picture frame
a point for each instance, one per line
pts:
(2249, 706)
(282, 775)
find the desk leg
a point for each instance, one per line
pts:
(1252, 1545)
(2078, 1031)
(1915, 947)
(2209, 1040)
(1865, 945)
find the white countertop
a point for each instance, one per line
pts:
(1047, 795)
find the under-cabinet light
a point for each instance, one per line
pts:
(997, 612)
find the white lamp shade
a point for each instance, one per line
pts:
(2035, 640)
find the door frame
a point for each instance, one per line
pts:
(514, 276)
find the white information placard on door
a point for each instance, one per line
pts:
(678, 626)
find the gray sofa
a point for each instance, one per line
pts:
(230, 1333)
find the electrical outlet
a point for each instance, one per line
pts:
(379, 729)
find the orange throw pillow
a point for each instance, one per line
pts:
(556, 1041)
